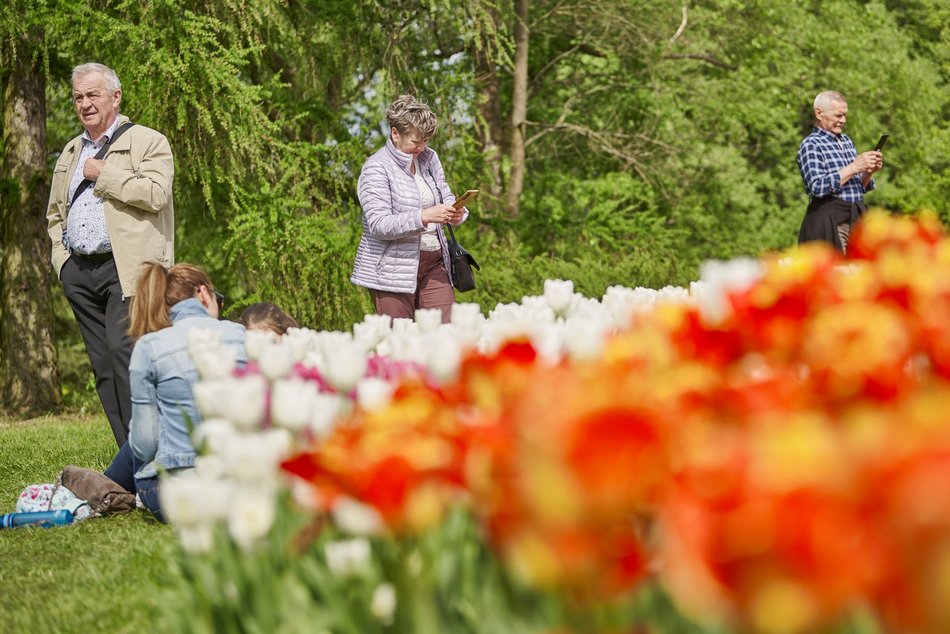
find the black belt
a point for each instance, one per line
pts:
(97, 258)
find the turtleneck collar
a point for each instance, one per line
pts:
(404, 160)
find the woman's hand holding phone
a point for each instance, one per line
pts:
(439, 214)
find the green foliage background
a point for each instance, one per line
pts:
(660, 134)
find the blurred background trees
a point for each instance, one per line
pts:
(614, 141)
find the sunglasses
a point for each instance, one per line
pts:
(220, 298)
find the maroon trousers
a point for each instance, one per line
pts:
(433, 290)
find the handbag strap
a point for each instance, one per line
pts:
(452, 240)
(99, 155)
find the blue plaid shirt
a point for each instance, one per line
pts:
(820, 156)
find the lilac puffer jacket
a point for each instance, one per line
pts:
(387, 258)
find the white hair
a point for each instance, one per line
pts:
(112, 80)
(825, 99)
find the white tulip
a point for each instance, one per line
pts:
(188, 500)
(355, 518)
(467, 315)
(584, 340)
(200, 338)
(384, 348)
(255, 458)
(547, 340)
(347, 557)
(467, 323)
(428, 319)
(559, 295)
(214, 363)
(276, 360)
(279, 441)
(407, 346)
(367, 334)
(245, 402)
(403, 324)
(372, 330)
(383, 605)
(291, 404)
(531, 303)
(672, 295)
(196, 539)
(326, 410)
(306, 495)
(210, 467)
(373, 393)
(208, 397)
(719, 279)
(212, 433)
(302, 341)
(251, 515)
(444, 357)
(345, 366)
(384, 322)
(256, 340)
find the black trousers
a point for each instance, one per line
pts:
(95, 295)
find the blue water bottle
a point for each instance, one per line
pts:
(44, 519)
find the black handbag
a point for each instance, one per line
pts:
(460, 260)
(463, 278)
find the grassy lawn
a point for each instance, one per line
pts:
(102, 575)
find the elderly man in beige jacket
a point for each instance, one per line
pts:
(106, 217)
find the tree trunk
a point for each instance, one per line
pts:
(492, 127)
(29, 377)
(519, 108)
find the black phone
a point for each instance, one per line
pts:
(881, 142)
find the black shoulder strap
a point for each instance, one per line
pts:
(101, 153)
(454, 246)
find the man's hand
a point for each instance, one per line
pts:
(92, 168)
(868, 162)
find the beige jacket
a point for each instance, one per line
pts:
(136, 188)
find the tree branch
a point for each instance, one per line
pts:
(601, 140)
(682, 28)
(709, 59)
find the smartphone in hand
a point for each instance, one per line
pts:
(881, 142)
(465, 198)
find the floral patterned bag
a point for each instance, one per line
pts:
(52, 497)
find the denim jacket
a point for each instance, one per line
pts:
(162, 376)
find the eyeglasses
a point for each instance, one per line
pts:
(218, 296)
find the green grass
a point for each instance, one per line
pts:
(101, 575)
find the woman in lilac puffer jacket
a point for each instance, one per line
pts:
(402, 257)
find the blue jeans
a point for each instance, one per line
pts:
(122, 471)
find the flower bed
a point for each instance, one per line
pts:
(768, 448)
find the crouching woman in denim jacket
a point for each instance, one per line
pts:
(169, 304)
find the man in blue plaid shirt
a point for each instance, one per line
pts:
(836, 177)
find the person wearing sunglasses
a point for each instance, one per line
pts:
(169, 306)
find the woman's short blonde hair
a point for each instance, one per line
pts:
(408, 114)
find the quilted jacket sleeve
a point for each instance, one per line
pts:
(384, 217)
